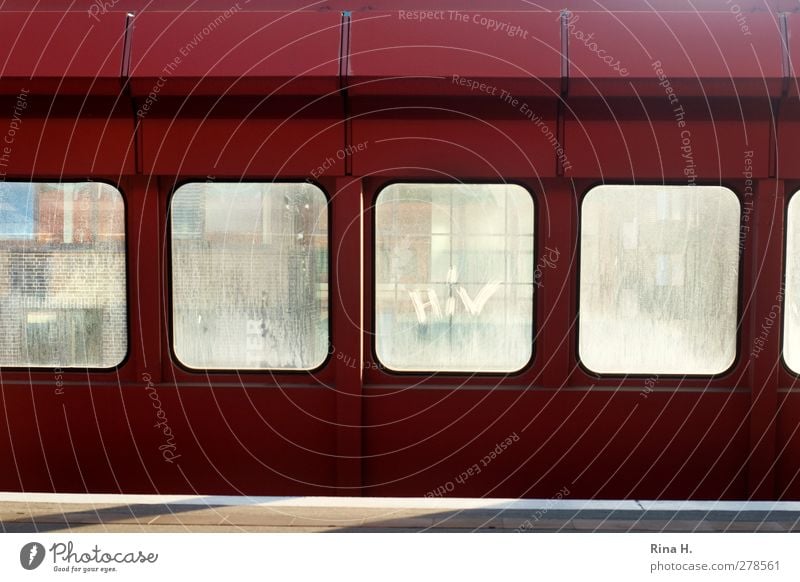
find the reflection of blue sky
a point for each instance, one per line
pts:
(16, 210)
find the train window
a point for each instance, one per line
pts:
(250, 276)
(454, 277)
(791, 317)
(658, 279)
(62, 295)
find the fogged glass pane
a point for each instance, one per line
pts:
(250, 276)
(791, 324)
(454, 277)
(658, 279)
(62, 289)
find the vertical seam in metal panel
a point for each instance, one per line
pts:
(560, 109)
(126, 90)
(776, 108)
(344, 69)
(126, 51)
(564, 54)
(786, 62)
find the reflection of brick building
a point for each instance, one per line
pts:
(62, 296)
(92, 213)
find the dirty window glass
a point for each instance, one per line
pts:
(250, 275)
(454, 277)
(62, 293)
(658, 279)
(791, 336)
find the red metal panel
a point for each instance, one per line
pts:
(446, 139)
(765, 239)
(789, 122)
(113, 439)
(402, 53)
(793, 32)
(348, 329)
(145, 276)
(61, 52)
(597, 444)
(789, 139)
(96, 7)
(64, 148)
(65, 137)
(233, 52)
(556, 229)
(787, 471)
(280, 441)
(227, 147)
(651, 139)
(238, 137)
(296, 434)
(637, 53)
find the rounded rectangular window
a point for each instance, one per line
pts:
(250, 276)
(454, 277)
(63, 289)
(791, 317)
(659, 279)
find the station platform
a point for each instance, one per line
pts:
(45, 512)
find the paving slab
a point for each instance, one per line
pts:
(33, 513)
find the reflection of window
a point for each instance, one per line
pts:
(454, 277)
(250, 275)
(205, 211)
(791, 317)
(667, 304)
(62, 275)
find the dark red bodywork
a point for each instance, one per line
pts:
(272, 94)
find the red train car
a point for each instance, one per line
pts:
(513, 250)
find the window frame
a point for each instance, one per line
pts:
(376, 363)
(740, 323)
(169, 288)
(67, 371)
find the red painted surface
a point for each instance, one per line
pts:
(644, 139)
(84, 6)
(102, 438)
(290, 138)
(701, 54)
(766, 260)
(66, 136)
(789, 122)
(605, 444)
(793, 42)
(392, 53)
(787, 474)
(60, 53)
(232, 52)
(441, 139)
(275, 94)
(347, 341)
